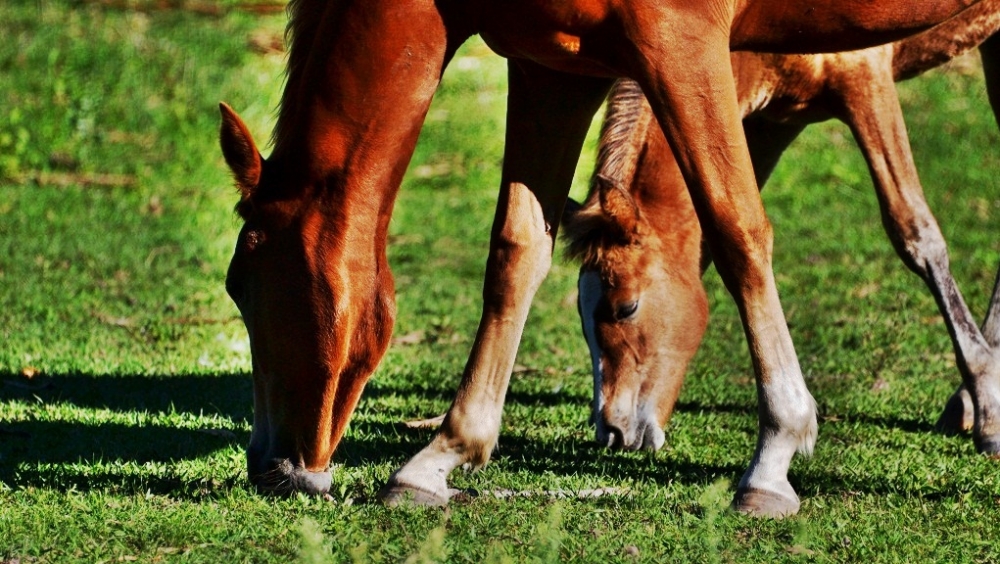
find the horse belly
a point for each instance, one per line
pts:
(559, 35)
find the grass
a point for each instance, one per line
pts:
(125, 398)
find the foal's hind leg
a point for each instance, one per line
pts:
(548, 115)
(871, 108)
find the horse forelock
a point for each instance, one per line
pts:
(589, 231)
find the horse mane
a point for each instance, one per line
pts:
(304, 20)
(589, 230)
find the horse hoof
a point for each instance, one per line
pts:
(763, 503)
(396, 494)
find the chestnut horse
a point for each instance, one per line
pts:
(641, 301)
(309, 271)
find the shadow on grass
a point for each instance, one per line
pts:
(909, 425)
(227, 395)
(37, 454)
(34, 453)
(27, 448)
(380, 389)
(584, 458)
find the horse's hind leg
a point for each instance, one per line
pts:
(871, 109)
(548, 115)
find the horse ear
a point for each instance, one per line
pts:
(239, 150)
(617, 204)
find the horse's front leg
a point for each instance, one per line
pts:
(548, 116)
(682, 61)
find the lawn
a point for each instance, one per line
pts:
(125, 396)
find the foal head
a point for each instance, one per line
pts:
(643, 310)
(316, 331)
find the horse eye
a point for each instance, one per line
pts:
(625, 310)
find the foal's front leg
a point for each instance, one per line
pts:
(693, 94)
(871, 109)
(956, 416)
(548, 116)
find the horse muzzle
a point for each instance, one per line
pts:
(639, 432)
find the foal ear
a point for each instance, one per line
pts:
(239, 150)
(617, 204)
(571, 208)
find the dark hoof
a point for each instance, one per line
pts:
(285, 478)
(989, 447)
(958, 416)
(394, 495)
(312, 483)
(763, 503)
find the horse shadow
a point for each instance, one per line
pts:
(225, 395)
(581, 457)
(35, 453)
(95, 453)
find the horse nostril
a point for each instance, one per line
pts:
(625, 310)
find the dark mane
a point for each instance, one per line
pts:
(589, 229)
(304, 20)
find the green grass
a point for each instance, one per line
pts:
(126, 443)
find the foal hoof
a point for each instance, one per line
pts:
(958, 416)
(990, 447)
(764, 503)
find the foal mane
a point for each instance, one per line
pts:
(589, 230)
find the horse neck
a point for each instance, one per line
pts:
(361, 77)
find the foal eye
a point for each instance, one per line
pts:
(625, 310)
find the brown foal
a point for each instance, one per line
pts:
(641, 301)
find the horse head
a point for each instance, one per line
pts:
(316, 334)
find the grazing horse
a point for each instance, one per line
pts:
(641, 301)
(309, 272)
